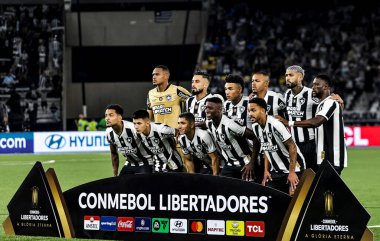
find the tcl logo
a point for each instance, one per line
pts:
(125, 224)
(354, 137)
(255, 228)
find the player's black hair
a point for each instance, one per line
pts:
(140, 114)
(263, 72)
(188, 116)
(118, 109)
(259, 101)
(237, 79)
(204, 74)
(325, 78)
(163, 67)
(215, 100)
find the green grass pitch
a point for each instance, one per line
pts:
(362, 177)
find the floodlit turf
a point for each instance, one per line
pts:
(362, 177)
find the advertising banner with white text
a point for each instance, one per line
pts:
(362, 136)
(74, 141)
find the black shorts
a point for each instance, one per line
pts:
(231, 171)
(129, 169)
(279, 181)
(309, 152)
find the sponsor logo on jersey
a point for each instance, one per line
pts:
(125, 224)
(91, 222)
(108, 223)
(197, 226)
(216, 227)
(255, 228)
(161, 109)
(142, 224)
(235, 228)
(281, 105)
(178, 225)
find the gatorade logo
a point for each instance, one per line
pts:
(255, 228)
(197, 226)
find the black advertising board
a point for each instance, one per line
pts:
(176, 207)
(325, 209)
(32, 209)
(186, 207)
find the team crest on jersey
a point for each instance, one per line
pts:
(268, 108)
(281, 105)
(241, 108)
(199, 147)
(223, 137)
(155, 140)
(203, 108)
(302, 100)
(168, 97)
(129, 140)
(269, 135)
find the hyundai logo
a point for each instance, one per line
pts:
(55, 141)
(178, 224)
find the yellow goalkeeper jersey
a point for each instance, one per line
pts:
(167, 105)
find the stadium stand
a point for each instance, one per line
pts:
(31, 65)
(245, 36)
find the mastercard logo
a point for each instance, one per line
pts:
(197, 227)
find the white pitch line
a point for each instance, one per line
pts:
(16, 163)
(374, 226)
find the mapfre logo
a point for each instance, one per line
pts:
(255, 228)
(216, 227)
(125, 224)
(55, 141)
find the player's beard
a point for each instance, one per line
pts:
(196, 91)
(291, 85)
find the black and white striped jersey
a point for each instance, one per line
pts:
(238, 112)
(198, 107)
(199, 147)
(275, 103)
(272, 139)
(234, 148)
(161, 144)
(330, 140)
(301, 107)
(129, 145)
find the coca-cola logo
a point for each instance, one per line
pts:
(125, 224)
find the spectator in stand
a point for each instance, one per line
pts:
(9, 80)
